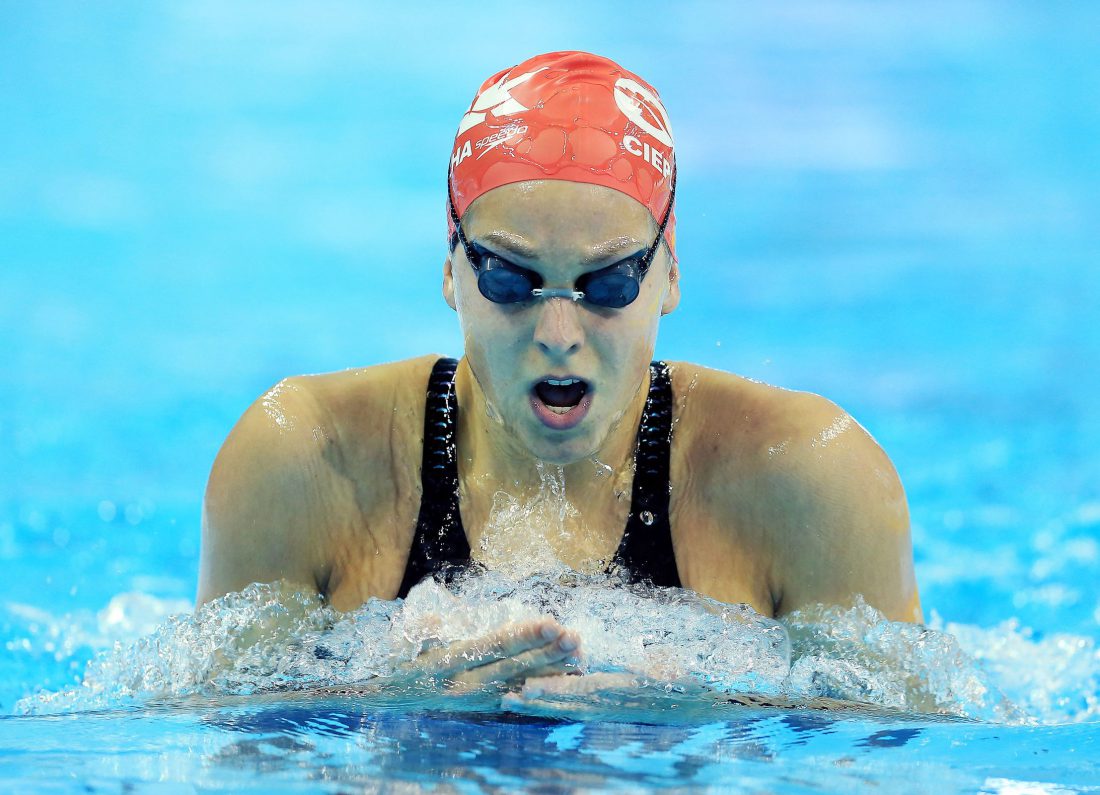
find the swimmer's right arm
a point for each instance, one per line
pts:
(268, 503)
(264, 498)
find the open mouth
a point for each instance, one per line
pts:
(561, 395)
(561, 403)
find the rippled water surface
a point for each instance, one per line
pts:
(894, 206)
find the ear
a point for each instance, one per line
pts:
(449, 284)
(672, 297)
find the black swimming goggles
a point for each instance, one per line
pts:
(503, 282)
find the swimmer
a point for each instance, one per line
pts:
(560, 205)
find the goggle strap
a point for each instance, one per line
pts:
(470, 254)
(647, 260)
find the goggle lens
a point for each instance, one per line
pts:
(614, 289)
(504, 284)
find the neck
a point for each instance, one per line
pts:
(492, 459)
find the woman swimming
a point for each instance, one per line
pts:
(560, 205)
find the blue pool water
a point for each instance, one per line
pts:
(897, 207)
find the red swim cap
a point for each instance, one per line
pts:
(572, 116)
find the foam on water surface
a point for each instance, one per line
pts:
(676, 646)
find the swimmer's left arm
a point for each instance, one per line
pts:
(841, 518)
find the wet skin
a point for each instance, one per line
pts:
(779, 498)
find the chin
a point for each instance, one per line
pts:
(566, 451)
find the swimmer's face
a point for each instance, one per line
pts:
(557, 373)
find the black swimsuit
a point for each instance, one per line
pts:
(440, 544)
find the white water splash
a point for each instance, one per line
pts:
(667, 634)
(525, 536)
(1054, 679)
(269, 638)
(856, 654)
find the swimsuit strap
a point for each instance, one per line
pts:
(646, 551)
(440, 540)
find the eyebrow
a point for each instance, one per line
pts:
(517, 245)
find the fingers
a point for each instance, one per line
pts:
(507, 653)
(550, 686)
(568, 665)
(579, 697)
(460, 655)
(507, 642)
(558, 654)
(548, 708)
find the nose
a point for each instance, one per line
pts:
(558, 331)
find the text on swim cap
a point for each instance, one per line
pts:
(647, 153)
(461, 153)
(497, 138)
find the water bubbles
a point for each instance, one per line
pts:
(682, 401)
(830, 433)
(272, 638)
(602, 470)
(274, 407)
(528, 534)
(666, 634)
(245, 642)
(647, 517)
(856, 654)
(1054, 678)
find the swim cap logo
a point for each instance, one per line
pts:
(498, 99)
(642, 107)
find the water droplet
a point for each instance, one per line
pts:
(647, 517)
(602, 469)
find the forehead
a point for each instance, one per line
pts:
(555, 214)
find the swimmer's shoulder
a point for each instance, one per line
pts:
(368, 407)
(354, 420)
(719, 414)
(312, 459)
(796, 470)
(742, 442)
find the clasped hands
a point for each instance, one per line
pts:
(534, 661)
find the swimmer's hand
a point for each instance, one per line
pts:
(506, 657)
(579, 689)
(607, 695)
(626, 696)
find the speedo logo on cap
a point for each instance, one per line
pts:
(498, 100)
